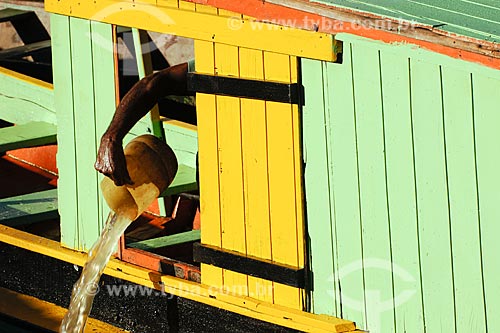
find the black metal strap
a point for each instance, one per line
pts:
(246, 88)
(260, 268)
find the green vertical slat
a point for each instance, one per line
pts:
(345, 187)
(459, 134)
(317, 188)
(373, 193)
(145, 67)
(487, 119)
(66, 157)
(432, 197)
(85, 135)
(184, 143)
(401, 192)
(104, 90)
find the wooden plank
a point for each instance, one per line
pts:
(187, 23)
(168, 3)
(462, 17)
(29, 208)
(183, 139)
(395, 82)
(44, 314)
(232, 208)
(200, 8)
(486, 99)
(145, 67)
(186, 5)
(282, 180)
(66, 155)
(104, 92)
(154, 243)
(85, 132)
(432, 196)
(376, 240)
(345, 189)
(24, 50)
(255, 179)
(203, 293)
(300, 224)
(319, 203)
(463, 201)
(27, 135)
(206, 113)
(184, 181)
(30, 30)
(8, 14)
(24, 99)
(227, 13)
(313, 16)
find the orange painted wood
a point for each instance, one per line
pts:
(301, 19)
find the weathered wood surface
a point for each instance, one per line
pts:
(402, 188)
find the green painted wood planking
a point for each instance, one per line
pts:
(395, 83)
(85, 136)
(372, 186)
(104, 91)
(66, 155)
(433, 204)
(154, 243)
(22, 101)
(465, 239)
(317, 179)
(486, 119)
(344, 170)
(145, 67)
(31, 134)
(432, 196)
(83, 105)
(184, 142)
(29, 208)
(184, 181)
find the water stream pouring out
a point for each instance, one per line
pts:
(152, 166)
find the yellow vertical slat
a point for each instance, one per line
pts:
(227, 13)
(299, 199)
(208, 163)
(282, 178)
(168, 3)
(255, 181)
(205, 9)
(187, 5)
(230, 167)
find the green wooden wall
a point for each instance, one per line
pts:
(22, 101)
(402, 184)
(84, 92)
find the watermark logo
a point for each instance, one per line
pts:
(373, 302)
(324, 24)
(92, 288)
(145, 13)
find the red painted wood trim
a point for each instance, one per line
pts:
(433, 40)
